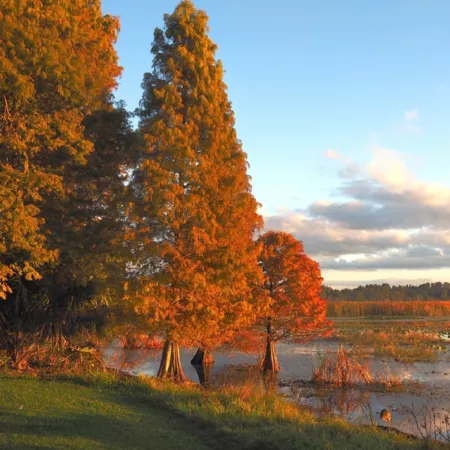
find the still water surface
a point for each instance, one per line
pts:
(426, 391)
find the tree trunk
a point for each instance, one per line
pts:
(170, 366)
(270, 361)
(204, 374)
(202, 357)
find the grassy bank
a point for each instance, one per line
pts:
(105, 412)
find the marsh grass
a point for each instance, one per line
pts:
(340, 369)
(405, 343)
(431, 424)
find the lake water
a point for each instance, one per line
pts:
(426, 390)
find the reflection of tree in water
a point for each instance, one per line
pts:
(344, 403)
(341, 402)
(124, 359)
(270, 381)
(204, 372)
(237, 374)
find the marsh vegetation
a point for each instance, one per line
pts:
(356, 372)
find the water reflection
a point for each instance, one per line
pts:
(297, 362)
(204, 374)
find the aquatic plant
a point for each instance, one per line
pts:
(340, 369)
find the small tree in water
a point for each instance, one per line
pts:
(292, 285)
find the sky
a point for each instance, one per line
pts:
(343, 108)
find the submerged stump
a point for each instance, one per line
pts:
(202, 357)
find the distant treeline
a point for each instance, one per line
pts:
(385, 292)
(388, 309)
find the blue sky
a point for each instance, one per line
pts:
(343, 110)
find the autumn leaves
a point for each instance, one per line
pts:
(63, 150)
(198, 213)
(88, 205)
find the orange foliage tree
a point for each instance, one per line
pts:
(57, 62)
(292, 284)
(193, 211)
(57, 66)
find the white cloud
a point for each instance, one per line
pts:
(331, 153)
(326, 239)
(412, 129)
(388, 220)
(410, 120)
(350, 171)
(413, 114)
(388, 168)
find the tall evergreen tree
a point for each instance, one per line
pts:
(194, 208)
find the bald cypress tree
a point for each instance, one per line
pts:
(194, 209)
(292, 283)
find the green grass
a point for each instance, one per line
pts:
(105, 412)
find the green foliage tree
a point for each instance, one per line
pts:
(194, 211)
(88, 226)
(383, 292)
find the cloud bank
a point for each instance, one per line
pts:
(387, 218)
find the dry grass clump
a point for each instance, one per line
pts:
(388, 380)
(340, 369)
(246, 402)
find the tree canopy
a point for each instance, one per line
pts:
(58, 66)
(57, 63)
(386, 292)
(161, 218)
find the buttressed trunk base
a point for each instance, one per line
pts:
(270, 360)
(170, 366)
